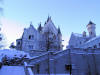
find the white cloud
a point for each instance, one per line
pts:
(12, 29)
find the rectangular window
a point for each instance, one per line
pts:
(99, 44)
(38, 68)
(95, 46)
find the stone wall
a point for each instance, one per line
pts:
(74, 61)
(85, 62)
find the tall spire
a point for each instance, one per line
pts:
(59, 32)
(49, 18)
(31, 23)
(40, 27)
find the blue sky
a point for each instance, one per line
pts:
(70, 15)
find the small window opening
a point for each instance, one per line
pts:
(18, 43)
(38, 68)
(80, 42)
(95, 46)
(99, 44)
(29, 36)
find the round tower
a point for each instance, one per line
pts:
(91, 29)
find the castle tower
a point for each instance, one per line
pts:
(59, 33)
(91, 29)
(60, 39)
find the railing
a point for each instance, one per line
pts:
(28, 69)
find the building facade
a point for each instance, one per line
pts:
(46, 38)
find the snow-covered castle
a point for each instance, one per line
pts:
(43, 38)
(41, 53)
(84, 40)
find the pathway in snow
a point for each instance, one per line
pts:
(12, 70)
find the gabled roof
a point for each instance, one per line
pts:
(77, 34)
(30, 29)
(49, 26)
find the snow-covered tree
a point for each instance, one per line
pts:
(2, 37)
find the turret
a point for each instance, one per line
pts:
(91, 29)
(84, 34)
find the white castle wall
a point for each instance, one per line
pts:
(83, 61)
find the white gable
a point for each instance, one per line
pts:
(49, 26)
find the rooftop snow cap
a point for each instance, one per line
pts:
(90, 23)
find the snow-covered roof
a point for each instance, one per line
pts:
(77, 34)
(92, 39)
(80, 35)
(49, 26)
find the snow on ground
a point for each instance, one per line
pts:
(12, 53)
(12, 70)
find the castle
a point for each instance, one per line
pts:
(46, 54)
(83, 40)
(43, 38)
